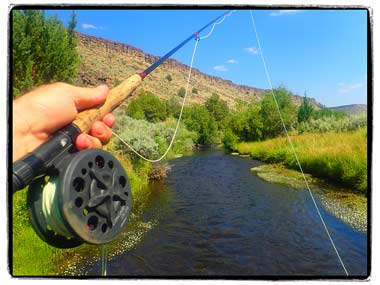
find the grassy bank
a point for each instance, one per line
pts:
(340, 158)
(32, 256)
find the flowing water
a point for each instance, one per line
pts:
(216, 218)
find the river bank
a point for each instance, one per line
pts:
(339, 158)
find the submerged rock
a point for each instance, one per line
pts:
(244, 155)
(278, 174)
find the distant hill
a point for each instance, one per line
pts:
(353, 109)
(106, 61)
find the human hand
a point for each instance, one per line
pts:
(40, 113)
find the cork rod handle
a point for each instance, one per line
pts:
(85, 119)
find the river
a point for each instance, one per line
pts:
(215, 218)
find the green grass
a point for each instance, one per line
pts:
(31, 256)
(340, 158)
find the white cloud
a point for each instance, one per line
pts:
(220, 68)
(91, 26)
(232, 61)
(252, 50)
(284, 12)
(345, 87)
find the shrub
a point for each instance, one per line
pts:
(327, 124)
(117, 82)
(194, 90)
(218, 108)
(173, 107)
(158, 171)
(305, 111)
(169, 78)
(43, 50)
(198, 119)
(150, 139)
(229, 139)
(149, 107)
(327, 112)
(272, 122)
(182, 92)
(247, 123)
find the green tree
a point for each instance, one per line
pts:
(182, 92)
(328, 113)
(43, 50)
(148, 104)
(270, 115)
(135, 111)
(218, 109)
(229, 139)
(246, 123)
(194, 90)
(198, 119)
(173, 107)
(71, 30)
(169, 78)
(305, 110)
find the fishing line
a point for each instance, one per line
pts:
(50, 208)
(292, 147)
(216, 23)
(183, 101)
(104, 260)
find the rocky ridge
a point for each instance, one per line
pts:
(110, 62)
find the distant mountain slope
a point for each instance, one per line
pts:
(105, 61)
(353, 109)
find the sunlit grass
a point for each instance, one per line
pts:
(31, 256)
(337, 157)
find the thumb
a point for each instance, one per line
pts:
(85, 98)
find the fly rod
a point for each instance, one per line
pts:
(36, 163)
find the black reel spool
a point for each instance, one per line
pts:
(91, 203)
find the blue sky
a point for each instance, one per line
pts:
(322, 53)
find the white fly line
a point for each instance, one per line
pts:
(292, 146)
(216, 23)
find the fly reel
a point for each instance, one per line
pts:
(87, 199)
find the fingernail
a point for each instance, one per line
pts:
(102, 88)
(99, 131)
(86, 142)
